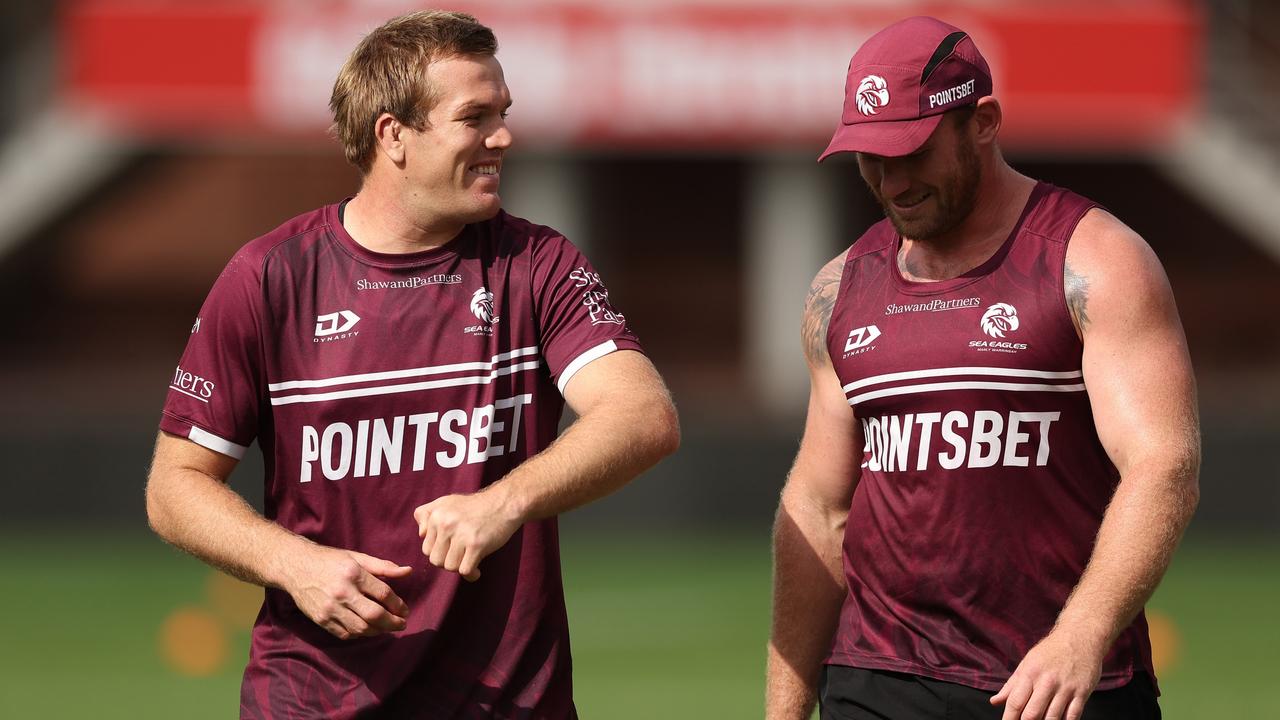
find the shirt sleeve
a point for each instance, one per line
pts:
(214, 394)
(578, 323)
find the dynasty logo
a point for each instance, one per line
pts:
(860, 339)
(336, 326)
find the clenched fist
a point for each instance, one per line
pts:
(458, 531)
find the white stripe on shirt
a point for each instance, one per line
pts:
(972, 385)
(400, 374)
(407, 387)
(942, 372)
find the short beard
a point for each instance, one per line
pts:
(956, 198)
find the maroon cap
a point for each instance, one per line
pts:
(901, 81)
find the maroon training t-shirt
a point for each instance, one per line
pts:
(983, 481)
(375, 383)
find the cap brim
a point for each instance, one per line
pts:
(888, 138)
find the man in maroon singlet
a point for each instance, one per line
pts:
(1002, 445)
(402, 359)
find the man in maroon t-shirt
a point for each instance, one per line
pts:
(402, 359)
(1001, 450)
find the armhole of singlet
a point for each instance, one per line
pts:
(851, 254)
(1061, 275)
(840, 293)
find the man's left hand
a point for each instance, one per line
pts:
(1053, 681)
(458, 531)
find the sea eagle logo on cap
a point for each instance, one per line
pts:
(873, 92)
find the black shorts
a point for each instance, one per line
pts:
(855, 693)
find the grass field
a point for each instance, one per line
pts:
(672, 628)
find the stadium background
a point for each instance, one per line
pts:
(142, 141)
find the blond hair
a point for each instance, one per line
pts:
(387, 73)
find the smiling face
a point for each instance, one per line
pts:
(452, 166)
(930, 192)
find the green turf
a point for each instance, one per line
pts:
(668, 629)
(673, 629)
(1221, 598)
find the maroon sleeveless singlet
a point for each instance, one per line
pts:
(983, 481)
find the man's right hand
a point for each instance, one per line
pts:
(190, 505)
(340, 591)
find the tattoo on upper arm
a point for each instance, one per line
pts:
(1077, 292)
(817, 311)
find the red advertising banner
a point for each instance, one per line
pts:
(718, 75)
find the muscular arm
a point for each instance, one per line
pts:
(808, 582)
(1138, 374)
(626, 423)
(190, 506)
